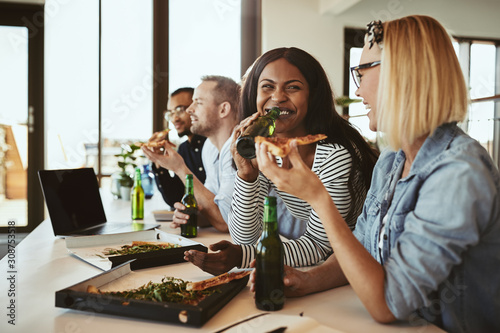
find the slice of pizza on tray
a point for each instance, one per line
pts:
(216, 280)
(281, 146)
(179, 286)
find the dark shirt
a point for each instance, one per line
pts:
(172, 188)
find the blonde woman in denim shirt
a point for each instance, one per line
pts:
(427, 244)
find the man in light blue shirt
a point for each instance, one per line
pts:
(220, 174)
(214, 113)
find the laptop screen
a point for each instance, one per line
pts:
(72, 198)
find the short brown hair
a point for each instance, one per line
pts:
(226, 90)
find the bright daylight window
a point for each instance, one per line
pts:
(127, 76)
(357, 111)
(13, 124)
(71, 77)
(482, 84)
(204, 39)
(72, 55)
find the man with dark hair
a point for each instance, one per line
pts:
(170, 186)
(214, 113)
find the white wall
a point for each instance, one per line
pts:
(299, 23)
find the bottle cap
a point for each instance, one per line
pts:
(277, 110)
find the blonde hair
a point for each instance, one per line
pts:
(421, 82)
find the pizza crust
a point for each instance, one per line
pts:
(158, 136)
(154, 144)
(216, 281)
(157, 140)
(281, 146)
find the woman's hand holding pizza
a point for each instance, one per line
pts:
(297, 180)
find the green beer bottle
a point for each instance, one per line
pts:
(262, 126)
(137, 197)
(269, 286)
(190, 229)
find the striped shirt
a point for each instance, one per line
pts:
(332, 164)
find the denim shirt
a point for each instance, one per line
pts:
(441, 249)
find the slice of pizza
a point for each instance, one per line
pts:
(170, 289)
(161, 135)
(216, 281)
(281, 146)
(158, 140)
(152, 144)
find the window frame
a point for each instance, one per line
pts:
(251, 13)
(465, 44)
(31, 16)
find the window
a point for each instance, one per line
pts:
(205, 41)
(21, 115)
(104, 86)
(73, 81)
(357, 111)
(354, 39)
(481, 117)
(127, 80)
(13, 125)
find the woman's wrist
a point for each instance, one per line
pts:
(238, 256)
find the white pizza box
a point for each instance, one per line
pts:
(91, 249)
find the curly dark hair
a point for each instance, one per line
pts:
(321, 117)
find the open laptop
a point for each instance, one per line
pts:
(74, 204)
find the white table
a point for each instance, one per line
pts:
(44, 266)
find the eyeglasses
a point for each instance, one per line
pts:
(356, 76)
(177, 112)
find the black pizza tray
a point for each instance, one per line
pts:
(76, 297)
(90, 249)
(155, 258)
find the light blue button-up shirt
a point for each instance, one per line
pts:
(441, 247)
(220, 174)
